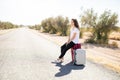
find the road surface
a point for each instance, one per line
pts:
(25, 55)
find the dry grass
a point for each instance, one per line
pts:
(115, 36)
(5, 31)
(105, 62)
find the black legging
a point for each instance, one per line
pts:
(65, 47)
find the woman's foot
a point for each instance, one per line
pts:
(59, 60)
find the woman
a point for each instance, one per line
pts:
(72, 40)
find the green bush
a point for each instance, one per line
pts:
(7, 25)
(99, 26)
(58, 25)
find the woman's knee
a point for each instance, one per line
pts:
(63, 46)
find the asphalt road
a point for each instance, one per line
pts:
(25, 55)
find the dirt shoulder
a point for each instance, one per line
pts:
(107, 57)
(5, 31)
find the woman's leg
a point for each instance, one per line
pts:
(68, 46)
(63, 47)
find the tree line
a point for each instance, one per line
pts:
(99, 25)
(7, 25)
(58, 25)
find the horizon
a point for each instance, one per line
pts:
(32, 12)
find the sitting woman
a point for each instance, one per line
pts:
(72, 40)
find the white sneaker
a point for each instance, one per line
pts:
(59, 61)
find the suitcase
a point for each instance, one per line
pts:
(79, 57)
(76, 46)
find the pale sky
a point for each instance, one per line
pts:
(30, 12)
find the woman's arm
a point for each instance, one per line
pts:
(69, 40)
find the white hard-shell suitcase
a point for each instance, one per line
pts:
(80, 57)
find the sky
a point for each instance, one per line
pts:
(31, 12)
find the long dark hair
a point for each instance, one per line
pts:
(75, 23)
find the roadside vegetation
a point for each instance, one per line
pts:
(98, 29)
(101, 26)
(7, 25)
(58, 25)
